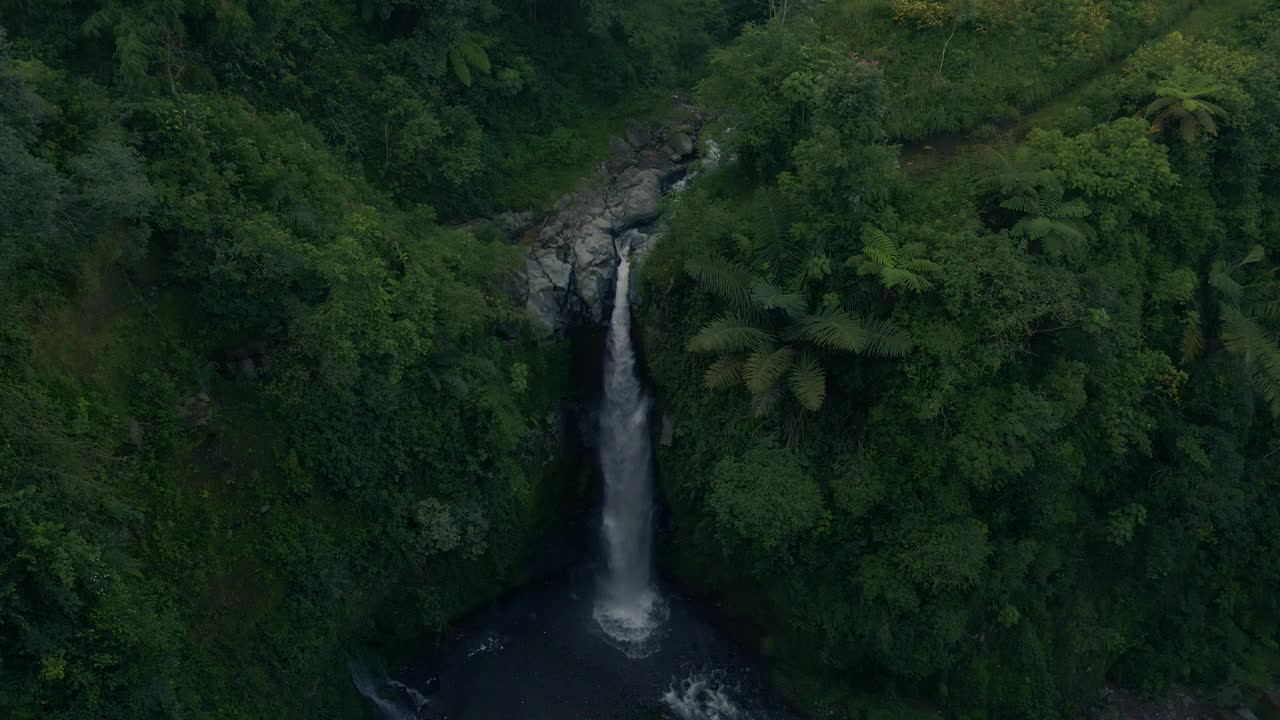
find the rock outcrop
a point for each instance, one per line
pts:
(573, 257)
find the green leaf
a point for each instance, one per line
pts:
(459, 65)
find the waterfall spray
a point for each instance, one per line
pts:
(628, 608)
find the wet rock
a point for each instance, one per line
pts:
(619, 147)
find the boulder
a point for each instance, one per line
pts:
(637, 136)
(681, 145)
(618, 147)
(512, 224)
(635, 199)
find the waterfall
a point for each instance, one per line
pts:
(628, 607)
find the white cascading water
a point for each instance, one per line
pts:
(628, 608)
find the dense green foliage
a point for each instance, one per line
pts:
(259, 404)
(1069, 474)
(982, 438)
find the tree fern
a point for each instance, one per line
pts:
(1052, 222)
(1188, 108)
(897, 267)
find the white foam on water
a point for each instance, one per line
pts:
(703, 696)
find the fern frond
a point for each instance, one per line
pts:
(723, 373)
(1221, 280)
(1266, 312)
(886, 339)
(765, 367)
(898, 277)
(878, 246)
(832, 329)
(765, 402)
(1192, 344)
(768, 296)
(726, 334)
(1242, 336)
(769, 226)
(808, 382)
(1027, 204)
(725, 278)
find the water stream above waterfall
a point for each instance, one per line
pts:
(599, 640)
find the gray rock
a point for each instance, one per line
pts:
(637, 136)
(636, 198)
(668, 431)
(618, 146)
(681, 145)
(512, 224)
(571, 266)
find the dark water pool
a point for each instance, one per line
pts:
(540, 656)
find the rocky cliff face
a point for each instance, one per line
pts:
(574, 251)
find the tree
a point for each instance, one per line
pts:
(1052, 222)
(1245, 314)
(1189, 108)
(772, 340)
(895, 265)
